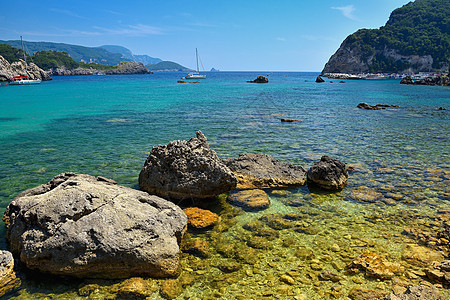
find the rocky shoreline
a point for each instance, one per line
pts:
(124, 68)
(441, 80)
(8, 71)
(88, 227)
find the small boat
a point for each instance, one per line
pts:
(375, 77)
(20, 80)
(196, 75)
(23, 79)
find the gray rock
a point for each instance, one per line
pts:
(259, 79)
(186, 169)
(264, 171)
(417, 293)
(85, 226)
(328, 173)
(319, 79)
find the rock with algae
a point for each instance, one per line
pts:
(254, 199)
(200, 218)
(375, 266)
(264, 171)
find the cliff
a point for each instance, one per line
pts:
(416, 38)
(7, 70)
(124, 68)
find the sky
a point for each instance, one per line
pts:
(245, 35)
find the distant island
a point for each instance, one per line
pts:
(415, 39)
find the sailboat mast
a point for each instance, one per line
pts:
(24, 56)
(196, 55)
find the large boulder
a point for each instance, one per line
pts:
(328, 173)
(8, 279)
(186, 169)
(85, 226)
(263, 171)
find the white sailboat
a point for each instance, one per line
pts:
(196, 75)
(23, 79)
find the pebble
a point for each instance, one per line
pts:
(335, 248)
(287, 279)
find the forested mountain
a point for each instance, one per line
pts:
(415, 38)
(78, 53)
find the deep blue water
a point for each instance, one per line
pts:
(106, 125)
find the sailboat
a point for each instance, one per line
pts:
(23, 79)
(196, 75)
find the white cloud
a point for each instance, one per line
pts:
(67, 12)
(281, 39)
(134, 30)
(347, 11)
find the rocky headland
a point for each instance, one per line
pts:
(8, 71)
(414, 39)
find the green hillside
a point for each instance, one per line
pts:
(167, 66)
(420, 28)
(78, 53)
(11, 54)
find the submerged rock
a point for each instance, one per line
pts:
(259, 79)
(197, 248)
(417, 293)
(8, 279)
(375, 266)
(186, 169)
(364, 294)
(263, 171)
(200, 218)
(328, 173)
(85, 226)
(375, 107)
(439, 272)
(250, 199)
(365, 194)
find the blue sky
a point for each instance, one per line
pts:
(263, 35)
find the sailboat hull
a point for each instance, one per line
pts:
(195, 76)
(25, 82)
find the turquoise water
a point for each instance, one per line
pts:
(106, 125)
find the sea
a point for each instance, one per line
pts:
(398, 186)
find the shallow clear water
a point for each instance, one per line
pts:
(106, 125)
